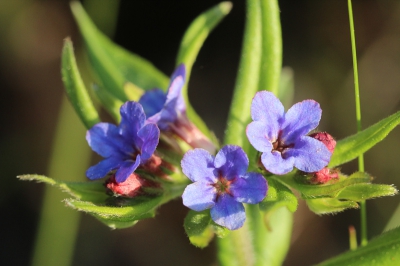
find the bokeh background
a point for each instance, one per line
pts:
(316, 45)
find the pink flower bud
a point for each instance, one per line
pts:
(323, 176)
(325, 138)
(131, 187)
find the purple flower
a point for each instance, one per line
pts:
(281, 137)
(168, 111)
(124, 147)
(222, 184)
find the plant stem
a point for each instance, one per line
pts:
(364, 238)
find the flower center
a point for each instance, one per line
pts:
(279, 145)
(222, 185)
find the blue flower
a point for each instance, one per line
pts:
(281, 137)
(124, 147)
(168, 111)
(222, 184)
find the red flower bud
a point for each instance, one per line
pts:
(323, 176)
(325, 138)
(131, 187)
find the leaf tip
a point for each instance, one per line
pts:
(225, 7)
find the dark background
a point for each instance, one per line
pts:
(316, 44)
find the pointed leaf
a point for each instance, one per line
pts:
(119, 217)
(360, 192)
(351, 147)
(108, 101)
(381, 251)
(75, 87)
(191, 43)
(298, 182)
(329, 205)
(112, 64)
(197, 227)
(86, 191)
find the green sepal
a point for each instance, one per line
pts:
(75, 87)
(198, 228)
(112, 64)
(330, 205)
(220, 231)
(108, 101)
(351, 147)
(381, 251)
(278, 196)
(191, 43)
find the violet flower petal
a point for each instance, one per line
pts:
(103, 168)
(231, 162)
(104, 139)
(228, 212)
(265, 106)
(261, 136)
(199, 196)
(153, 101)
(251, 188)
(274, 162)
(126, 169)
(132, 119)
(198, 165)
(300, 119)
(149, 134)
(310, 155)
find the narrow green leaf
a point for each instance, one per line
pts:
(112, 64)
(381, 251)
(330, 205)
(191, 43)
(118, 217)
(86, 191)
(351, 147)
(271, 62)
(198, 228)
(330, 189)
(247, 82)
(278, 196)
(108, 101)
(75, 87)
(359, 192)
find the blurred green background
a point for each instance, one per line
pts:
(316, 45)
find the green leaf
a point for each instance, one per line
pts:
(351, 147)
(91, 197)
(381, 251)
(108, 101)
(112, 64)
(198, 228)
(119, 217)
(75, 87)
(191, 43)
(298, 182)
(271, 61)
(278, 196)
(330, 205)
(86, 191)
(360, 192)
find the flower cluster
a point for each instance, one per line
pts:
(221, 183)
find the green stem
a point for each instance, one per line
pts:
(364, 238)
(58, 225)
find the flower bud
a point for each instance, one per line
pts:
(325, 138)
(133, 186)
